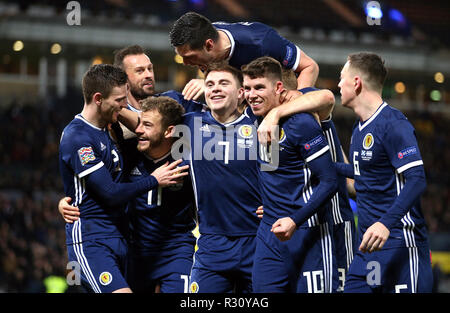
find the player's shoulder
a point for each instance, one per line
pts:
(390, 113)
(392, 119)
(301, 119)
(78, 132)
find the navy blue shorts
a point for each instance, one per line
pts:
(103, 263)
(393, 270)
(223, 264)
(305, 263)
(167, 266)
(344, 237)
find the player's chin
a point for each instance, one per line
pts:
(143, 145)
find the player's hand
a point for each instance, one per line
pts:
(69, 213)
(374, 238)
(193, 89)
(260, 211)
(169, 174)
(266, 130)
(288, 95)
(284, 228)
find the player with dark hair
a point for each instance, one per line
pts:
(91, 167)
(294, 248)
(201, 42)
(394, 253)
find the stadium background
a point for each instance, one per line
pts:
(42, 60)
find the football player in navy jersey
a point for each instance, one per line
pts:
(92, 168)
(294, 248)
(389, 175)
(224, 175)
(162, 219)
(201, 42)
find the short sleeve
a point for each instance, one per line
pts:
(401, 146)
(281, 49)
(82, 155)
(306, 135)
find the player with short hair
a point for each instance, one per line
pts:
(201, 42)
(91, 167)
(386, 164)
(134, 60)
(294, 249)
(162, 219)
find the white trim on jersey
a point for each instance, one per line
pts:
(383, 105)
(79, 186)
(80, 117)
(403, 168)
(337, 216)
(230, 36)
(91, 169)
(348, 242)
(297, 60)
(317, 154)
(79, 253)
(408, 233)
(327, 253)
(133, 109)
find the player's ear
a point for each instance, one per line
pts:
(169, 131)
(279, 87)
(97, 98)
(241, 94)
(209, 44)
(357, 83)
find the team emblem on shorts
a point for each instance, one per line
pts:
(368, 141)
(245, 131)
(105, 278)
(193, 288)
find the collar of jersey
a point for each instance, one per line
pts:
(242, 116)
(380, 108)
(157, 160)
(80, 117)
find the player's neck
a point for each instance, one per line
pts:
(223, 45)
(91, 115)
(368, 105)
(160, 151)
(133, 102)
(226, 115)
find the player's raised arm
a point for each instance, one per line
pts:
(321, 101)
(308, 71)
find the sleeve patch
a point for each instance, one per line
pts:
(407, 152)
(86, 154)
(314, 142)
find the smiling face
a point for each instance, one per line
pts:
(150, 131)
(140, 74)
(262, 94)
(110, 107)
(222, 91)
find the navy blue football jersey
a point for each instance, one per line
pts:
(223, 165)
(289, 186)
(251, 40)
(161, 215)
(84, 148)
(381, 149)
